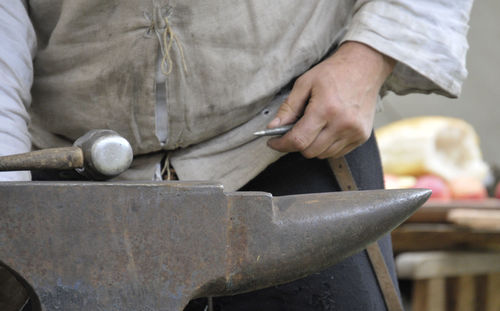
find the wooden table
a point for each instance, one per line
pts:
(471, 224)
(457, 240)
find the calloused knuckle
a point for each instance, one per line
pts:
(330, 111)
(299, 143)
(342, 125)
(365, 135)
(358, 132)
(301, 81)
(286, 106)
(352, 125)
(285, 110)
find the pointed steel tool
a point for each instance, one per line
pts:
(155, 246)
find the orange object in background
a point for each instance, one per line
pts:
(497, 191)
(440, 188)
(459, 188)
(467, 188)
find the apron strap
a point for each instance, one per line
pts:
(342, 172)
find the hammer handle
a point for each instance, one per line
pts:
(55, 158)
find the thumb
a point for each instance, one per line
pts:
(293, 107)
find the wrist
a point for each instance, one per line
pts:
(366, 60)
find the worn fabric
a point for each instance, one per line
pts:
(427, 37)
(97, 70)
(97, 66)
(351, 284)
(18, 45)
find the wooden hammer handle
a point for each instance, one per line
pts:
(54, 158)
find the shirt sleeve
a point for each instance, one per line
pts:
(427, 38)
(17, 49)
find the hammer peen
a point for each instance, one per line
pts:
(99, 155)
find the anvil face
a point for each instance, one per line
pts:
(155, 246)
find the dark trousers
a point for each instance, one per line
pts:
(350, 284)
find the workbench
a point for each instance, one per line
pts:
(451, 225)
(450, 251)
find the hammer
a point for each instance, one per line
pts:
(98, 155)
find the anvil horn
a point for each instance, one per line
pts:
(155, 246)
(293, 236)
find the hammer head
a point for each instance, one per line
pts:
(106, 154)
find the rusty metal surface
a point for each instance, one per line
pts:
(155, 246)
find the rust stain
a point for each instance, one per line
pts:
(131, 266)
(237, 246)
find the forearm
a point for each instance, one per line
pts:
(365, 64)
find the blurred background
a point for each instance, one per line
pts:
(448, 253)
(479, 103)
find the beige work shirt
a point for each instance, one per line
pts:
(97, 65)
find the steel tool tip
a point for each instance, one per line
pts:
(260, 133)
(274, 131)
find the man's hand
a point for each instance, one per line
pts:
(334, 103)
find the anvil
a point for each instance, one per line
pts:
(157, 245)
